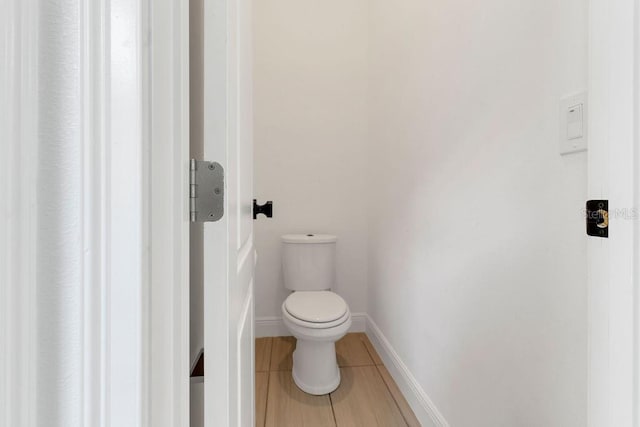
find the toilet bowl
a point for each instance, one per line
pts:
(316, 328)
(316, 316)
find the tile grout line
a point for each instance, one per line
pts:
(406, 421)
(333, 412)
(366, 347)
(366, 350)
(266, 401)
(270, 355)
(266, 404)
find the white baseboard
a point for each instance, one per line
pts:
(270, 327)
(422, 406)
(274, 327)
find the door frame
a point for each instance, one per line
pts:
(18, 186)
(167, 98)
(96, 63)
(614, 169)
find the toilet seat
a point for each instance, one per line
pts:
(316, 306)
(316, 309)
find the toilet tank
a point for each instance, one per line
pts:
(309, 261)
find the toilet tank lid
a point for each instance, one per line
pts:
(309, 238)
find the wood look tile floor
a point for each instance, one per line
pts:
(367, 395)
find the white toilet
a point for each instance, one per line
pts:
(316, 316)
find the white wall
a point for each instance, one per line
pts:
(477, 250)
(310, 128)
(475, 246)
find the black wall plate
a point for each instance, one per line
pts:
(597, 214)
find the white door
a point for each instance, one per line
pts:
(229, 257)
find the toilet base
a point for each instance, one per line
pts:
(315, 369)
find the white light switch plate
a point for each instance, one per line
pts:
(573, 123)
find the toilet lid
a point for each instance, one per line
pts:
(316, 307)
